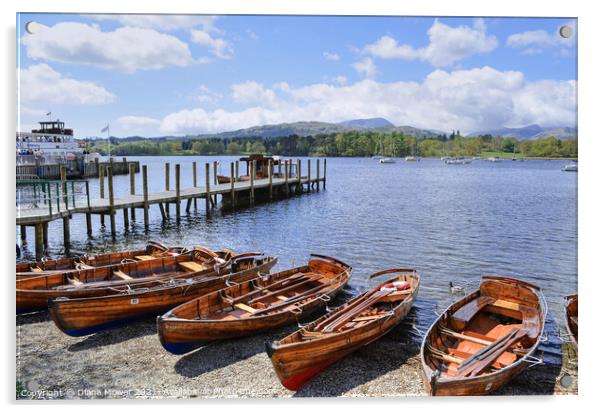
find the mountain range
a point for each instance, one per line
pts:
(530, 132)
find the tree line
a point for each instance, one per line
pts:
(349, 143)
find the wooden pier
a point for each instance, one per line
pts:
(76, 169)
(285, 180)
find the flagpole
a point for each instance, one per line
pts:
(109, 138)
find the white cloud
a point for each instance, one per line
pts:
(252, 35)
(331, 56)
(137, 123)
(365, 67)
(218, 46)
(162, 22)
(469, 100)
(207, 96)
(126, 49)
(40, 83)
(252, 92)
(535, 41)
(447, 44)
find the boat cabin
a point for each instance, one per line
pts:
(53, 127)
(262, 164)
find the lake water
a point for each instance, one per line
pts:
(450, 222)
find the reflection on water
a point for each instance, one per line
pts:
(450, 222)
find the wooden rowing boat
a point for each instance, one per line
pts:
(153, 250)
(33, 293)
(253, 306)
(571, 317)
(305, 353)
(83, 316)
(485, 339)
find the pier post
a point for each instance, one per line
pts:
(45, 235)
(101, 181)
(23, 233)
(97, 170)
(111, 200)
(63, 174)
(271, 173)
(178, 192)
(89, 224)
(39, 241)
(145, 194)
(232, 193)
(66, 232)
(252, 194)
(167, 168)
(280, 168)
(132, 170)
(286, 188)
(324, 181)
(318, 175)
(126, 219)
(194, 181)
(236, 172)
(215, 181)
(299, 185)
(308, 175)
(207, 187)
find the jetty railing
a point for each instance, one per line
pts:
(50, 197)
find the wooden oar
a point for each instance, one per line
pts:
(487, 355)
(313, 292)
(292, 286)
(341, 321)
(266, 288)
(356, 301)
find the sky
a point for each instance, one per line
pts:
(157, 75)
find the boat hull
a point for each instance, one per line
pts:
(298, 363)
(84, 316)
(184, 335)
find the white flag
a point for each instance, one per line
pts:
(49, 113)
(105, 129)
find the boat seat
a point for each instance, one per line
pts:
(122, 275)
(144, 257)
(193, 266)
(502, 361)
(245, 307)
(36, 269)
(464, 314)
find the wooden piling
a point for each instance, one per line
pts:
(286, 168)
(132, 170)
(317, 175)
(145, 194)
(280, 168)
(23, 233)
(45, 235)
(167, 168)
(207, 187)
(270, 173)
(308, 175)
(39, 241)
(236, 172)
(126, 219)
(215, 181)
(66, 233)
(193, 183)
(177, 191)
(89, 224)
(111, 200)
(299, 185)
(101, 182)
(162, 210)
(252, 193)
(232, 192)
(324, 181)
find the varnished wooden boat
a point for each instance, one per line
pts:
(253, 306)
(571, 317)
(153, 250)
(484, 340)
(83, 316)
(305, 353)
(33, 293)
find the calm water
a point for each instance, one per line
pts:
(450, 222)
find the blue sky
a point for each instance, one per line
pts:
(159, 75)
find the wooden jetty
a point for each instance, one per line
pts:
(61, 199)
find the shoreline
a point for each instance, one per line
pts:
(131, 363)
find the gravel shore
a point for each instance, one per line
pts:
(130, 362)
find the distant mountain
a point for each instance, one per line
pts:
(315, 128)
(372, 123)
(530, 132)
